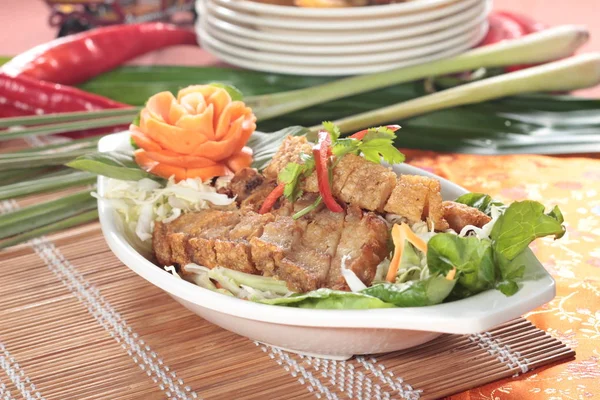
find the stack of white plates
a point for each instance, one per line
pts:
(339, 41)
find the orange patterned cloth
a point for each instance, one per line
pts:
(572, 183)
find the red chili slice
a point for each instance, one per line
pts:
(271, 199)
(321, 152)
(361, 134)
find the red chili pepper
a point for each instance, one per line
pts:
(76, 58)
(501, 28)
(321, 152)
(20, 96)
(528, 24)
(271, 199)
(361, 134)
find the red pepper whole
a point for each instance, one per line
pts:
(502, 28)
(360, 135)
(321, 154)
(20, 96)
(271, 199)
(77, 58)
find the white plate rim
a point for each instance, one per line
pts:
(220, 8)
(474, 314)
(341, 60)
(370, 11)
(410, 30)
(463, 35)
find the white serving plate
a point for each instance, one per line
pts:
(443, 38)
(326, 28)
(232, 56)
(341, 37)
(221, 9)
(341, 60)
(337, 334)
(351, 12)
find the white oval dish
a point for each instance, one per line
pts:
(350, 12)
(220, 8)
(337, 334)
(234, 58)
(459, 33)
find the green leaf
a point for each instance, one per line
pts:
(333, 130)
(508, 288)
(556, 214)
(375, 149)
(329, 299)
(136, 121)
(427, 292)
(472, 258)
(344, 146)
(117, 165)
(234, 93)
(521, 224)
(546, 124)
(480, 201)
(381, 132)
(290, 175)
(265, 145)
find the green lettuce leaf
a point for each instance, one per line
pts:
(480, 201)
(329, 299)
(427, 292)
(521, 224)
(472, 257)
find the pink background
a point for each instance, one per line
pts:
(24, 23)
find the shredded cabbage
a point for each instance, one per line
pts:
(353, 281)
(142, 202)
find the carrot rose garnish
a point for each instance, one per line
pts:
(200, 134)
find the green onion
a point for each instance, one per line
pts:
(39, 160)
(88, 142)
(64, 127)
(42, 214)
(574, 73)
(22, 174)
(47, 184)
(68, 117)
(308, 209)
(70, 222)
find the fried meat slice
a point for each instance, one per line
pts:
(362, 246)
(289, 151)
(460, 215)
(417, 198)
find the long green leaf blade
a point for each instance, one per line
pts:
(47, 184)
(70, 222)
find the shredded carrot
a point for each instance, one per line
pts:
(400, 234)
(451, 274)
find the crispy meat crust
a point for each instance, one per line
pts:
(460, 215)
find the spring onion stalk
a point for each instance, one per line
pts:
(67, 117)
(73, 144)
(574, 73)
(548, 45)
(70, 222)
(42, 214)
(40, 160)
(51, 129)
(19, 175)
(50, 183)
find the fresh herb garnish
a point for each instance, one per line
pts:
(376, 144)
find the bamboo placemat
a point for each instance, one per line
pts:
(77, 324)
